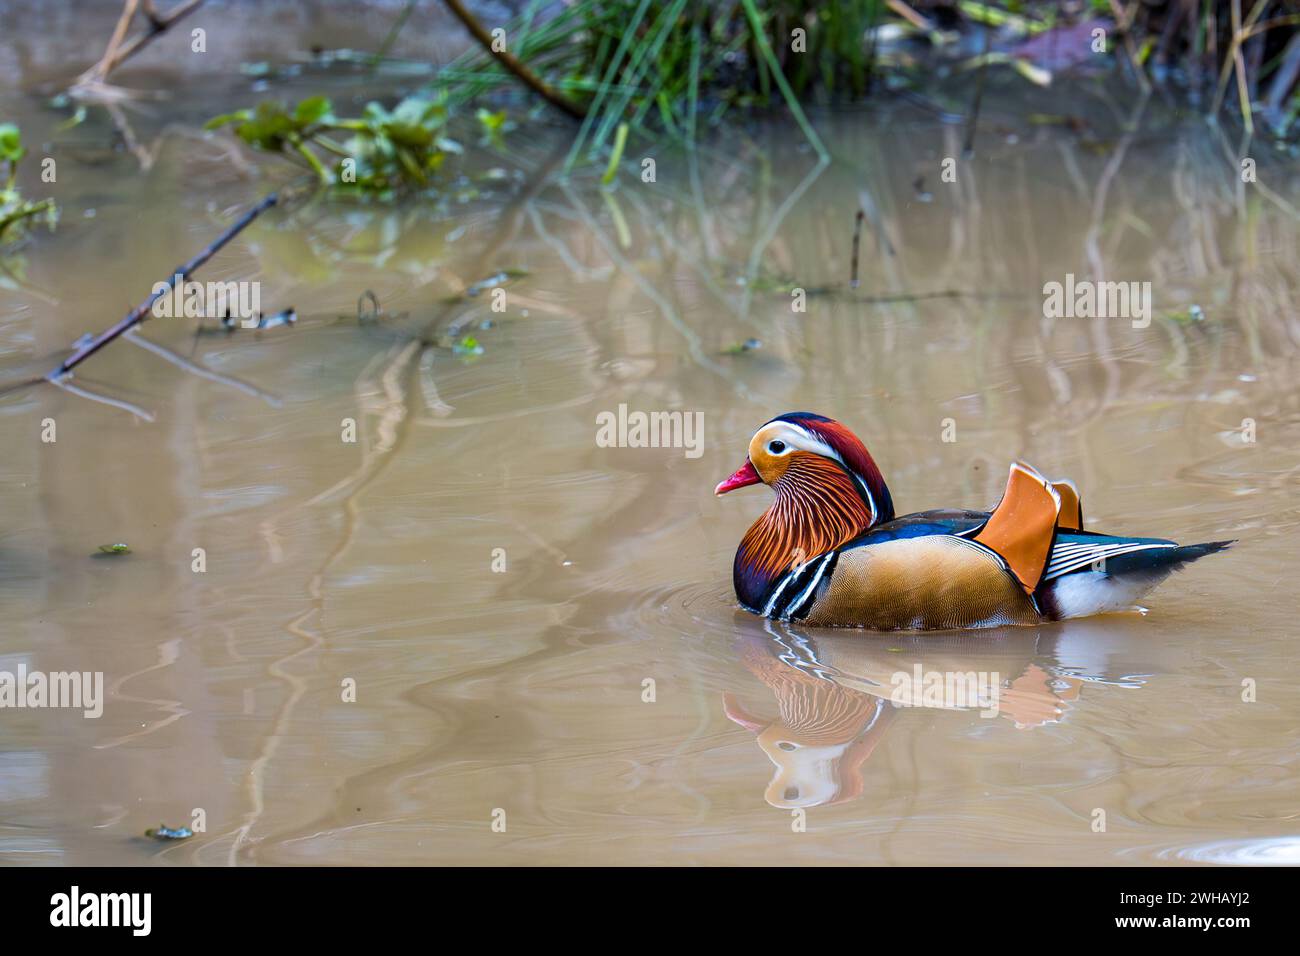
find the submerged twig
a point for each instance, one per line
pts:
(857, 242)
(373, 315)
(968, 147)
(1124, 28)
(1241, 31)
(124, 405)
(133, 336)
(137, 149)
(141, 312)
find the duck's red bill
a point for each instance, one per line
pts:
(745, 475)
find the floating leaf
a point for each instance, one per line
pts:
(468, 345)
(284, 317)
(741, 348)
(164, 832)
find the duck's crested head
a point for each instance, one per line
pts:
(795, 448)
(828, 491)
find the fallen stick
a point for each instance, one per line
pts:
(527, 76)
(116, 54)
(142, 311)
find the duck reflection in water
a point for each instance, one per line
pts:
(837, 694)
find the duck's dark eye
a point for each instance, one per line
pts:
(776, 447)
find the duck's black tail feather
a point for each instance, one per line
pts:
(1164, 560)
(1120, 581)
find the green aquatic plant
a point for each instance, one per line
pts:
(16, 212)
(468, 345)
(379, 153)
(493, 126)
(668, 66)
(638, 64)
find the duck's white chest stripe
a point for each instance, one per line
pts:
(800, 584)
(780, 589)
(871, 499)
(795, 606)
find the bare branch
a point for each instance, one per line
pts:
(529, 78)
(142, 311)
(120, 50)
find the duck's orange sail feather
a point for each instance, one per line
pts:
(1022, 526)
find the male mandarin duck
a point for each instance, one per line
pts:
(829, 551)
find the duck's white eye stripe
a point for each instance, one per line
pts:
(810, 442)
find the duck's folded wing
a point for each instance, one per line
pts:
(921, 523)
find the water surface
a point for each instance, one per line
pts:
(523, 689)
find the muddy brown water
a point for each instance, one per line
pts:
(502, 590)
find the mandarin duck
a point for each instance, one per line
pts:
(830, 552)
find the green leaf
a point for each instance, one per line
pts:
(409, 134)
(225, 119)
(269, 127)
(492, 122)
(11, 142)
(312, 110)
(468, 345)
(393, 148)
